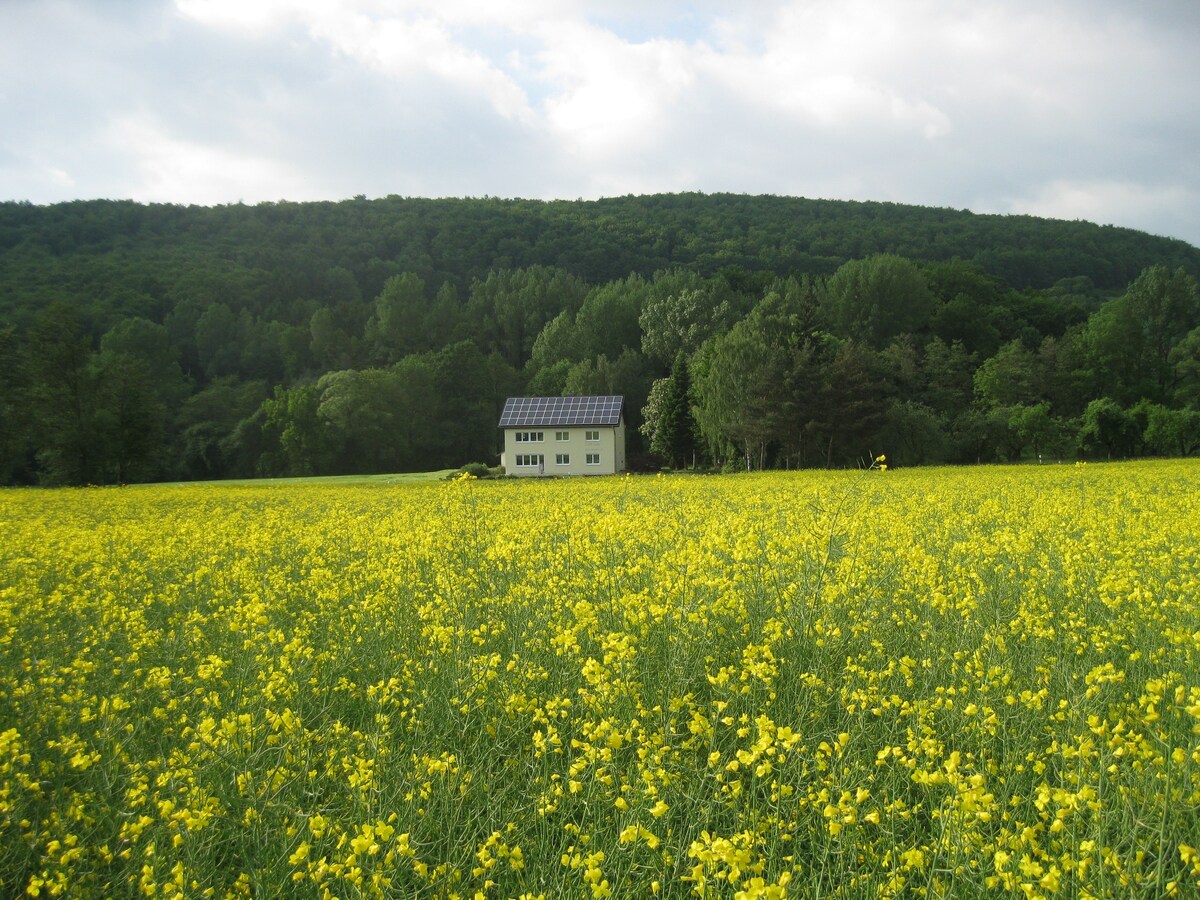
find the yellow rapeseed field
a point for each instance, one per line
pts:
(940, 682)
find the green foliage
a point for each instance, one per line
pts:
(1109, 430)
(1185, 363)
(1131, 340)
(397, 326)
(216, 434)
(1010, 377)
(511, 307)
(872, 300)
(303, 443)
(681, 312)
(1171, 432)
(734, 390)
(915, 434)
(673, 432)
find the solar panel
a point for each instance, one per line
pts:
(545, 411)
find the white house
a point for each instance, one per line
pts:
(563, 436)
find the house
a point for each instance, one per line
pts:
(563, 435)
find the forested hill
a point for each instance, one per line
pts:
(290, 247)
(154, 341)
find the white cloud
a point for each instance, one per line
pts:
(1127, 203)
(166, 168)
(252, 17)
(609, 97)
(394, 39)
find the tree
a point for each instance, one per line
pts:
(1008, 378)
(418, 413)
(946, 377)
(1108, 428)
(848, 408)
(15, 410)
(967, 302)
(735, 398)
(680, 313)
(510, 307)
(396, 327)
(446, 322)
(1185, 361)
(608, 321)
(674, 431)
(1065, 377)
(556, 342)
(467, 397)
(1130, 339)
(874, 299)
(131, 417)
(1033, 427)
(395, 419)
(63, 393)
(551, 380)
(208, 442)
(914, 434)
(302, 441)
(139, 380)
(979, 436)
(141, 339)
(964, 320)
(1167, 306)
(1171, 432)
(332, 347)
(219, 341)
(652, 412)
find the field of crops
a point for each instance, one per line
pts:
(942, 682)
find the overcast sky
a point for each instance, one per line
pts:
(1085, 109)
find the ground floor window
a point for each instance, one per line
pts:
(562, 459)
(530, 459)
(593, 459)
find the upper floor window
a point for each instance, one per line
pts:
(591, 435)
(562, 435)
(530, 437)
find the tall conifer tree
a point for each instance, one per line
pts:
(675, 437)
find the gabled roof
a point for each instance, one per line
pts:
(548, 411)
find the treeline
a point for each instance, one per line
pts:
(157, 342)
(887, 357)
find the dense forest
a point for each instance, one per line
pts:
(148, 342)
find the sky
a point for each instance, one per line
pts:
(1073, 109)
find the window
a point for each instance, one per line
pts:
(562, 459)
(591, 435)
(561, 436)
(527, 460)
(529, 437)
(593, 459)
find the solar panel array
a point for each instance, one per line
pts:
(523, 411)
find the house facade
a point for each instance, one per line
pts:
(563, 435)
